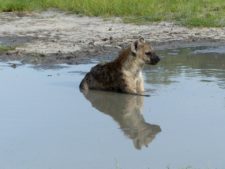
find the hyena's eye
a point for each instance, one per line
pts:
(148, 53)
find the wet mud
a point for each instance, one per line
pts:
(55, 37)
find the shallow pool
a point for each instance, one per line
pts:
(46, 123)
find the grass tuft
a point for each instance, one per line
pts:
(6, 48)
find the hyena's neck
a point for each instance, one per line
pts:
(128, 63)
(123, 56)
(134, 68)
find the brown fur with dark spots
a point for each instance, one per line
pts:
(124, 74)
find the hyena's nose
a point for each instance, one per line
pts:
(154, 59)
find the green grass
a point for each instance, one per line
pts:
(200, 13)
(6, 48)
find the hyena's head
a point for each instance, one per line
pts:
(143, 52)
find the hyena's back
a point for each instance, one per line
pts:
(102, 77)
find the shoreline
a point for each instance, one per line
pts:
(54, 37)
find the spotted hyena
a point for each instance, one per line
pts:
(124, 74)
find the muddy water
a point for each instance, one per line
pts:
(45, 122)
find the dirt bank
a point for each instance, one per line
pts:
(58, 37)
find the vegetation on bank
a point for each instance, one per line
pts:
(5, 48)
(206, 13)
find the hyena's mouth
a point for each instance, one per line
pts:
(154, 59)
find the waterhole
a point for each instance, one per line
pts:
(47, 123)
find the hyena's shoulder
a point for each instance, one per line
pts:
(106, 73)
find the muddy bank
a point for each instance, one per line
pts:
(56, 37)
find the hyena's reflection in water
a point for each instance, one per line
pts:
(126, 110)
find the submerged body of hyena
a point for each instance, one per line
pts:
(124, 74)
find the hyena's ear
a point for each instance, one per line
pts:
(136, 44)
(141, 39)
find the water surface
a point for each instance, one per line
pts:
(45, 122)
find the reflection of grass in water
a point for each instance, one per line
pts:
(6, 48)
(209, 66)
(117, 165)
(186, 12)
(188, 167)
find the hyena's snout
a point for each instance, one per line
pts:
(154, 59)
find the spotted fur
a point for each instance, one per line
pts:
(124, 74)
